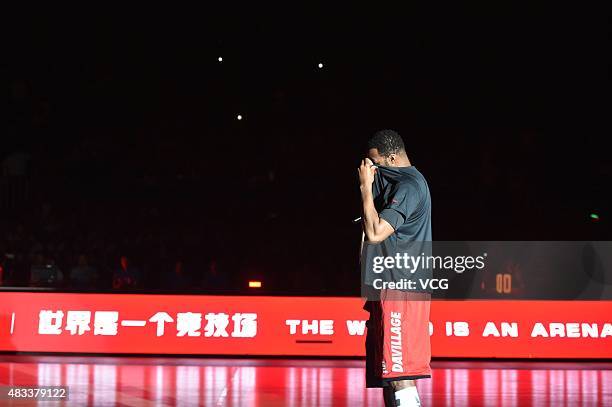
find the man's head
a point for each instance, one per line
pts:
(386, 148)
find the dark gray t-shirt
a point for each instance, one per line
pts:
(401, 197)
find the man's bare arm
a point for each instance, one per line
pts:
(375, 228)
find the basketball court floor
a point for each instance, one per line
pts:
(151, 381)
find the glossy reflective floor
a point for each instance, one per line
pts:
(104, 381)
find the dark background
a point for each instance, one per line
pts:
(128, 134)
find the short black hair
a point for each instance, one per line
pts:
(387, 142)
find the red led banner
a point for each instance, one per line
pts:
(309, 326)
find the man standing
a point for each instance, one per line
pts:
(396, 212)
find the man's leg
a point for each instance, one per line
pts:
(405, 393)
(389, 396)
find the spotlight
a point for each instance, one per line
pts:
(220, 59)
(239, 117)
(320, 65)
(254, 284)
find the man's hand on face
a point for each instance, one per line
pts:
(366, 173)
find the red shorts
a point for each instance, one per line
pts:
(397, 340)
